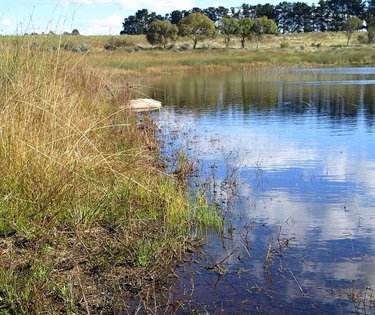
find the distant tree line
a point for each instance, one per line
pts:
(326, 15)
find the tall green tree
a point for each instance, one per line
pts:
(245, 26)
(370, 14)
(175, 17)
(302, 18)
(197, 27)
(262, 26)
(246, 11)
(321, 16)
(139, 23)
(216, 14)
(340, 10)
(284, 20)
(267, 10)
(162, 33)
(350, 26)
(229, 27)
(142, 21)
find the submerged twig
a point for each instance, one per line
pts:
(230, 254)
(269, 249)
(295, 279)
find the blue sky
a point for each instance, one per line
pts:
(92, 17)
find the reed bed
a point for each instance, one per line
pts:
(88, 218)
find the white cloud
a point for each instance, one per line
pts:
(159, 7)
(69, 2)
(106, 26)
(6, 22)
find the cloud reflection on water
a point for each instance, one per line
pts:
(309, 168)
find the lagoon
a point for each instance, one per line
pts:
(289, 155)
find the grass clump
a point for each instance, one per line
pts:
(86, 216)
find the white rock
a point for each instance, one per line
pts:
(144, 104)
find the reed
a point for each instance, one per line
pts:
(82, 196)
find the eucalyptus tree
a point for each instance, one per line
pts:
(350, 26)
(262, 26)
(229, 28)
(245, 27)
(197, 27)
(162, 33)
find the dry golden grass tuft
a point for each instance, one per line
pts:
(87, 216)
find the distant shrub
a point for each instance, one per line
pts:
(115, 42)
(34, 46)
(134, 49)
(110, 47)
(362, 39)
(318, 45)
(66, 46)
(284, 45)
(184, 47)
(302, 47)
(81, 48)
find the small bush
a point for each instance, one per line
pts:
(362, 39)
(284, 45)
(110, 47)
(116, 42)
(82, 48)
(184, 47)
(66, 46)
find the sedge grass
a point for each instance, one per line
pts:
(86, 216)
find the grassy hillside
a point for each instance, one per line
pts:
(132, 54)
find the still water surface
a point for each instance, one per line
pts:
(292, 154)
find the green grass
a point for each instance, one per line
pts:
(84, 206)
(134, 55)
